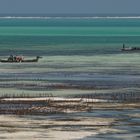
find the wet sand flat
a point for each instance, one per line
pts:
(99, 124)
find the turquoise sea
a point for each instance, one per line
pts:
(67, 36)
(82, 52)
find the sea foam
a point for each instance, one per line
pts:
(70, 17)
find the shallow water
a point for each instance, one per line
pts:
(98, 124)
(80, 57)
(99, 73)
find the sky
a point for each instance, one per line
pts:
(70, 6)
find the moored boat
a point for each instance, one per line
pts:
(130, 48)
(18, 59)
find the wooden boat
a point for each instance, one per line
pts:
(130, 48)
(19, 59)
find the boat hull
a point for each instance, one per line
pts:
(21, 61)
(130, 49)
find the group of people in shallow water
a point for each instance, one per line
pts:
(13, 58)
